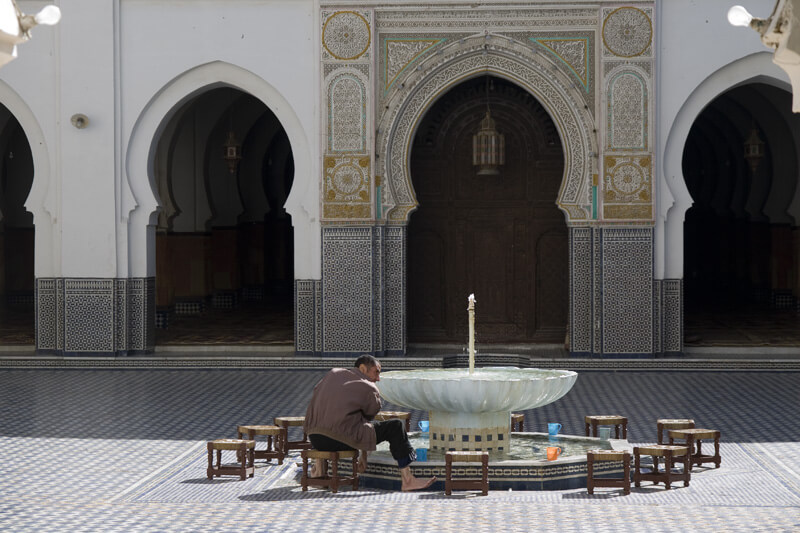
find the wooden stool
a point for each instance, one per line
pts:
(466, 484)
(607, 420)
(388, 415)
(609, 455)
(518, 421)
(668, 452)
(250, 433)
(285, 422)
(693, 437)
(672, 423)
(334, 479)
(244, 452)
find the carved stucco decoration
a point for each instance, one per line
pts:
(477, 56)
(400, 53)
(346, 190)
(627, 191)
(628, 32)
(574, 52)
(346, 35)
(347, 111)
(628, 111)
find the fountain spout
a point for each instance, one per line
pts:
(471, 313)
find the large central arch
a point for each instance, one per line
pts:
(503, 57)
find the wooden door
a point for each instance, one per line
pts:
(501, 237)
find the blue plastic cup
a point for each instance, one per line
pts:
(423, 426)
(553, 428)
(604, 433)
(422, 454)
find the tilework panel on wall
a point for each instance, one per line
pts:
(88, 315)
(120, 314)
(580, 289)
(394, 275)
(347, 289)
(306, 316)
(597, 290)
(672, 311)
(95, 316)
(658, 323)
(47, 315)
(627, 290)
(378, 233)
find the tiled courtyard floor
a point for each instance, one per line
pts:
(124, 450)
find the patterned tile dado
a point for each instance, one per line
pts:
(307, 315)
(672, 315)
(627, 290)
(394, 275)
(95, 316)
(580, 289)
(89, 315)
(347, 289)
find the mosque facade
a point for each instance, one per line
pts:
(350, 167)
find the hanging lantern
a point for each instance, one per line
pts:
(753, 148)
(488, 146)
(233, 152)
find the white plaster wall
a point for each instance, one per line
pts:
(28, 88)
(700, 55)
(115, 60)
(275, 41)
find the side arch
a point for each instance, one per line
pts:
(42, 200)
(505, 58)
(674, 197)
(303, 201)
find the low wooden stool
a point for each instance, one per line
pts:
(466, 484)
(270, 453)
(609, 455)
(668, 452)
(334, 479)
(693, 439)
(517, 421)
(244, 452)
(285, 422)
(388, 415)
(606, 420)
(672, 423)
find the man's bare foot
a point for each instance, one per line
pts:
(409, 482)
(320, 469)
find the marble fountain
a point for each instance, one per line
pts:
(470, 409)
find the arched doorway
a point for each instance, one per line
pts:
(224, 242)
(16, 234)
(740, 237)
(501, 237)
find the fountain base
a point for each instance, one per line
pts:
(515, 470)
(469, 432)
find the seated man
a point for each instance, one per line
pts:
(339, 418)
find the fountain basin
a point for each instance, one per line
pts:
(470, 411)
(525, 467)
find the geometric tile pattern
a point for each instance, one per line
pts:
(95, 316)
(347, 289)
(126, 449)
(627, 290)
(307, 314)
(580, 289)
(672, 309)
(394, 290)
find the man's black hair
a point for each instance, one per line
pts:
(366, 359)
